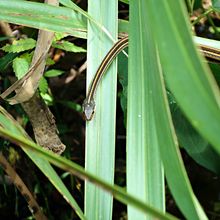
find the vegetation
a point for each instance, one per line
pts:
(167, 110)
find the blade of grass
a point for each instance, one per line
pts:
(145, 177)
(173, 165)
(174, 168)
(123, 28)
(188, 78)
(77, 170)
(70, 4)
(39, 15)
(207, 42)
(60, 19)
(12, 126)
(100, 132)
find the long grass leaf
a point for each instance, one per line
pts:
(145, 177)
(100, 132)
(42, 16)
(12, 126)
(75, 169)
(174, 168)
(189, 79)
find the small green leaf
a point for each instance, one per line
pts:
(28, 56)
(43, 85)
(47, 98)
(67, 46)
(49, 61)
(20, 66)
(64, 175)
(20, 45)
(59, 36)
(53, 73)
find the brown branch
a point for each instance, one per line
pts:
(41, 118)
(18, 182)
(43, 123)
(6, 29)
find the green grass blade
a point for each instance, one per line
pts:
(188, 78)
(100, 132)
(196, 146)
(207, 42)
(173, 165)
(123, 27)
(70, 19)
(43, 16)
(145, 177)
(17, 12)
(12, 126)
(70, 4)
(65, 164)
(174, 168)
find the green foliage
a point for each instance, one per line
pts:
(216, 5)
(68, 46)
(6, 61)
(7, 122)
(4, 38)
(59, 36)
(100, 133)
(44, 16)
(43, 85)
(215, 70)
(49, 61)
(20, 66)
(125, 1)
(149, 128)
(123, 79)
(53, 73)
(18, 136)
(49, 99)
(142, 66)
(20, 45)
(196, 146)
